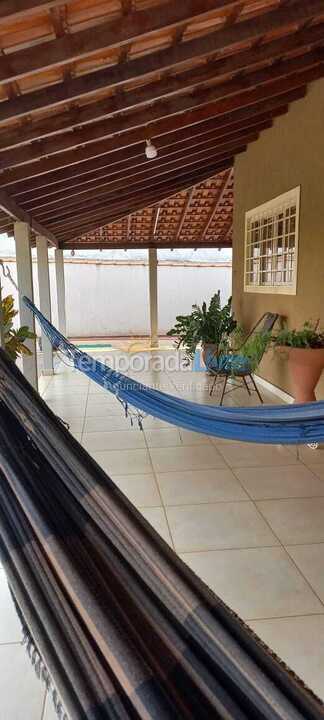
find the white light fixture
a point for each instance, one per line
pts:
(150, 150)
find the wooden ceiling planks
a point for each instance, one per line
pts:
(84, 83)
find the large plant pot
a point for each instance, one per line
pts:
(305, 365)
(207, 350)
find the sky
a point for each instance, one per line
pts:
(7, 249)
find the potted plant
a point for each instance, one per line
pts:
(14, 339)
(211, 326)
(305, 351)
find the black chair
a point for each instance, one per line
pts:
(263, 326)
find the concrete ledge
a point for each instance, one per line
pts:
(275, 390)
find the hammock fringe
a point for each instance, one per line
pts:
(274, 424)
(38, 663)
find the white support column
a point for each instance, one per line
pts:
(25, 287)
(60, 290)
(44, 300)
(153, 290)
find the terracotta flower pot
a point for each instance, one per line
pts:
(305, 365)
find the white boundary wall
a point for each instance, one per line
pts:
(104, 298)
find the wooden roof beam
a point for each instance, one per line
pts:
(234, 114)
(109, 35)
(220, 194)
(63, 50)
(151, 171)
(133, 156)
(184, 212)
(10, 10)
(139, 165)
(11, 208)
(168, 97)
(160, 61)
(228, 97)
(79, 244)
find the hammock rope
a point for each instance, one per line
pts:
(277, 424)
(123, 626)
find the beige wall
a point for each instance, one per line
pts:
(291, 153)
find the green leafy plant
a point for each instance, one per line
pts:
(308, 337)
(14, 339)
(207, 325)
(255, 347)
(252, 347)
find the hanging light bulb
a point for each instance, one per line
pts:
(150, 150)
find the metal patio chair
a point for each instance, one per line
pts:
(233, 366)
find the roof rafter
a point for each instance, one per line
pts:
(138, 163)
(75, 88)
(227, 97)
(221, 191)
(164, 127)
(155, 170)
(10, 10)
(11, 208)
(108, 35)
(171, 88)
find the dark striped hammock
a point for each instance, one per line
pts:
(112, 617)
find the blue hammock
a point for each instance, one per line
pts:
(287, 424)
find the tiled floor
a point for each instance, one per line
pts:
(249, 519)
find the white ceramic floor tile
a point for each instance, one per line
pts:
(256, 583)
(108, 423)
(105, 410)
(119, 440)
(310, 560)
(162, 437)
(318, 469)
(127, 462)
(69, 380)
(198, 457)
(66, 392)
(312, 457)
(218, 526)
(10, 625)
(151, 423)
(98, 390)
(70, 411)
(288, 481)
(21, 693)
(299, 642)
(296, 521)
(140, 489)
(104, 398)
(189, 487)
(252, 454)
(156, 517)
(192, 438)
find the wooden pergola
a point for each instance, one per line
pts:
(85, 83)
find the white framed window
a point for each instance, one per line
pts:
(271, 245)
